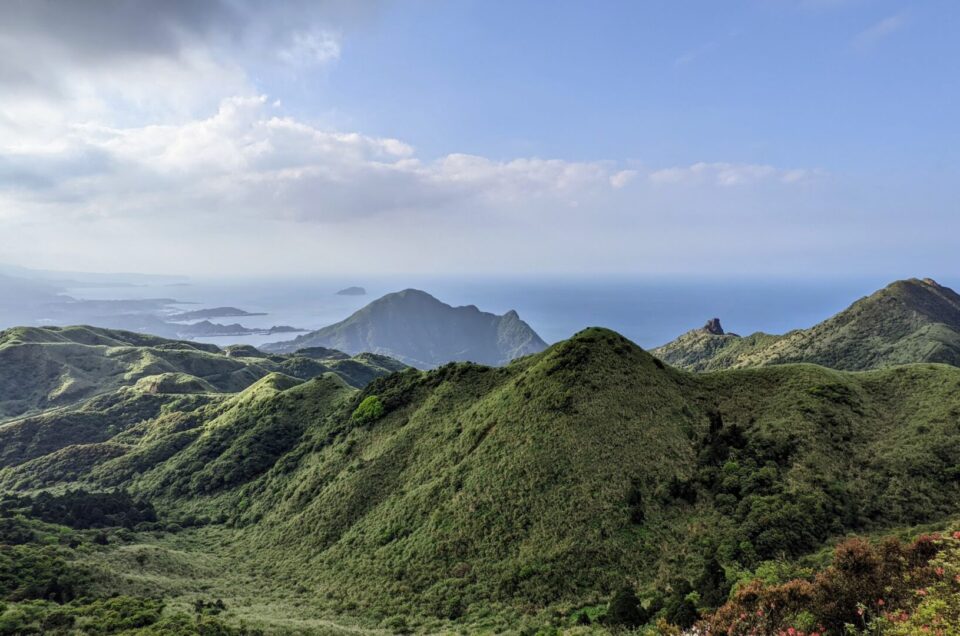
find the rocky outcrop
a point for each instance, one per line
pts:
(713, 327)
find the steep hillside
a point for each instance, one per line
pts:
(416, 328)
(563, 476)
(548, 483)
(56, 366)
(908, 321)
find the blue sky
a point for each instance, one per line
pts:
(794, 137)
(835, 84)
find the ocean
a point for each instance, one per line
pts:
(649, 311)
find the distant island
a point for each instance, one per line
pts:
(206, 328)
(352, 291)
(214, 312)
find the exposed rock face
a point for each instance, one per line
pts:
(713, 327)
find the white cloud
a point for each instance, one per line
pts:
(730, 174)
(622, 178)
(872, 35)
(265, 166)
(130, 62)
(308, 48)
(118, 151)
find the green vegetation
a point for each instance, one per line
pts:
(588, 487)
(369, 410)
(624, 610)
(886, 587)
(82, 509)
(908, 321)
(45, 367)
(116, 615)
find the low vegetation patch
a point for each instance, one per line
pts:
(369, 410)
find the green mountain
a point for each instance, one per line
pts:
(416, 328)
(908, 321)
(57, 366)
(503, 497)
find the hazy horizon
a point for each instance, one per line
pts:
(650, 310)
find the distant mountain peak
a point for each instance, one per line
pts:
(412, 292)
(409, 295)
(413, 326)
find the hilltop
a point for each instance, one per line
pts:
(908, 321)
(417, 329)
(44, 367)
(546, 484)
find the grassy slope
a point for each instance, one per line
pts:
(549, 482)
(514, 485)
(698, 350)
(47, 367)
(907, 321)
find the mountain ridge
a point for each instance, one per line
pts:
(912, 320)
(416, 328)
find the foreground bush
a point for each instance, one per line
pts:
(871, 588)
(117, 615)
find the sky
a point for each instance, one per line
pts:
(801, 138)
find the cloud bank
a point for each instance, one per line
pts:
(134, 135)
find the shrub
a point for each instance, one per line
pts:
(713, 586)
(681, 606)
(369, 410)
(32, 572)
(397, 625)
(879, 587)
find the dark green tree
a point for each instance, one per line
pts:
(713, 586)
(624, 609)
(680, 608)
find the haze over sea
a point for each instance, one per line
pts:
(648, 311)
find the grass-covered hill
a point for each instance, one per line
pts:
(567, 474)
(488, 494)
(43, 367)
(908, 321)
(416, 328)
